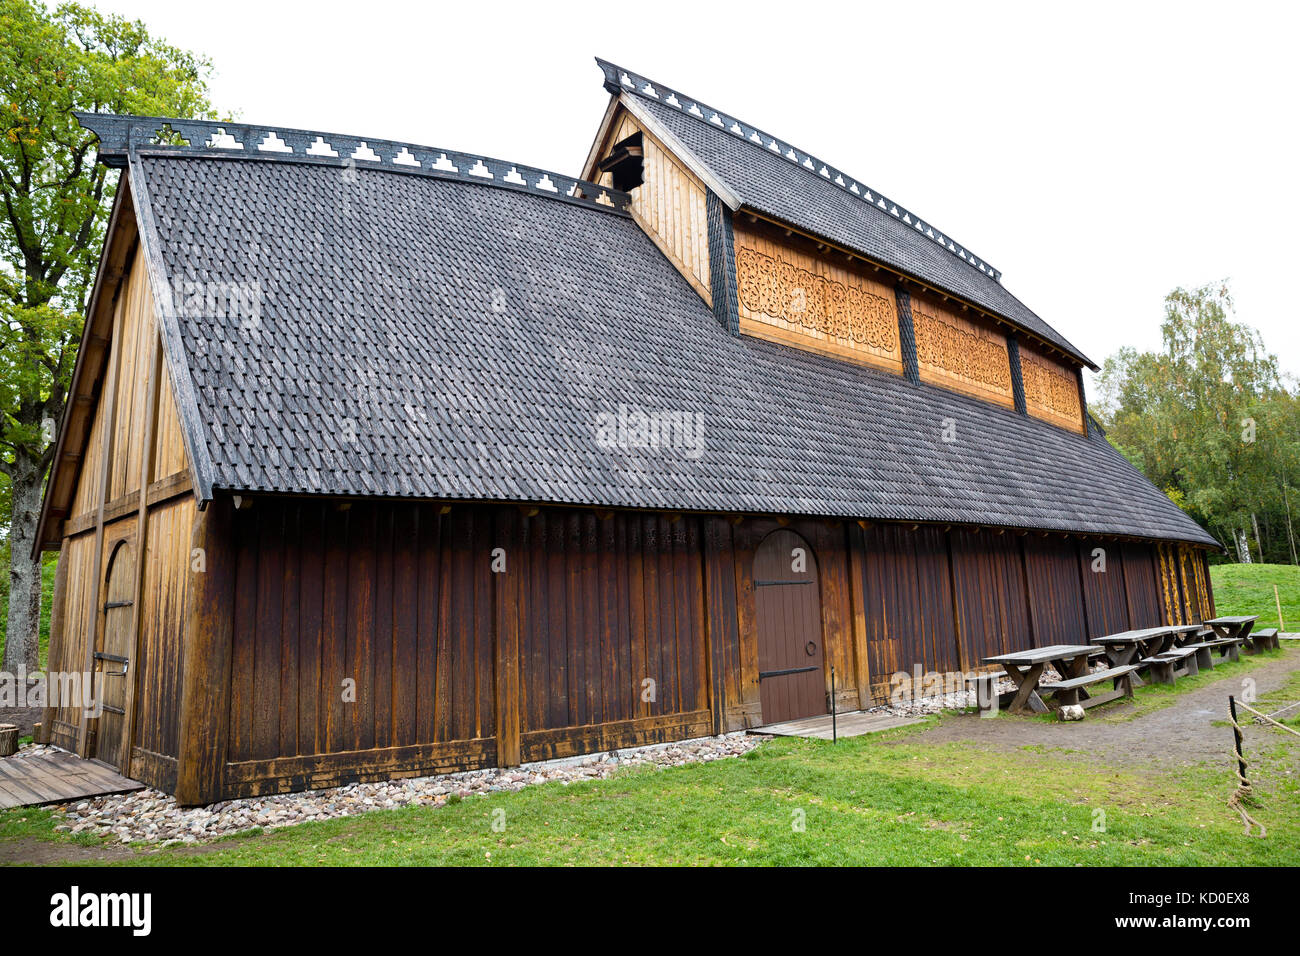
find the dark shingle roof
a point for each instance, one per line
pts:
(788, 184)
(423, 337)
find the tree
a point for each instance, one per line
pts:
(55, 203)
(1208, 418)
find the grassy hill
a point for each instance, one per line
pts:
(1248, 589)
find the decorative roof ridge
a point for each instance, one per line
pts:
(121, 136)
(619, 80)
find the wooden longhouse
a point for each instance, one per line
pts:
(385, 460)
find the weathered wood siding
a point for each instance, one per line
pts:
(909, 601)
(169, 571)
(989, 587)
(403, 601)
(135, 454)
(358, 629)
(612, 631)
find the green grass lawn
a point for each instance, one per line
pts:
(885, 798)
(1248, 589)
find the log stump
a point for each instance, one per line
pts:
(8, 739)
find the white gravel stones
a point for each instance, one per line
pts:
(148, 816)
(35, 750)
(923, 706)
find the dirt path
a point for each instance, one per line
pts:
(1179, 734)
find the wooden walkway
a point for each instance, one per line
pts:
(853, 724)
(56, 777)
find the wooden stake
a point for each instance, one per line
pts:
(1281, 624)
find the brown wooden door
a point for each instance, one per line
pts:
(787, 595)
(113, 657)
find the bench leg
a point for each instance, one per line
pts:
(985, 694)
(1065, 698)
(1027, 700)
(1231, 653)
(1162, 672)
(1203, 659)
(1191, 667)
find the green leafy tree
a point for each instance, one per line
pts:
(1208, 417)
(55, 203)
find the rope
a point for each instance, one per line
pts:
(1276, 712)
(1243, 785)
(1267, 718)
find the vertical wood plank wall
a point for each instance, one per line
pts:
(670, 205)
(122, 452)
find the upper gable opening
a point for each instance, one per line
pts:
(625, 163)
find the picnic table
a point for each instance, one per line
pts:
(1026, 667)
(1234, 628)
(1130, 647)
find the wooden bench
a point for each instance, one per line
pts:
(1204, 660)
(1265, 639)
(984, 685)
(1175, 662)
(1066, 692)
(1228, 648)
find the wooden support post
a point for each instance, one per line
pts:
(1236, 739)
(95, 585)
(722, 635)
(141, 545)
(508, 594)
(208, 642)
(858, 611)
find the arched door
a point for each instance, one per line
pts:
(113, 657)
(787, 595)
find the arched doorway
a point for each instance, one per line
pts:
(787, 597)
(113, 656)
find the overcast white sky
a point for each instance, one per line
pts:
(1099, 156)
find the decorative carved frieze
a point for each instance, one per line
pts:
(951, 348)
(1051, 390)
(833, 306)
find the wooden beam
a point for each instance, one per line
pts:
(506, 656)
(857, 565)
(161, 490)
(130, 724)
(97, 565)
(208, 641)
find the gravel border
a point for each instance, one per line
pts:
(152, 817)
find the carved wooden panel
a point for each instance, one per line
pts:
(792, 297)
(959, 354)
(1051, 390)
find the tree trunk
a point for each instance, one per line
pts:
(1259, 540)
(1290, 533)
(1243, 546)
(22, 645)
